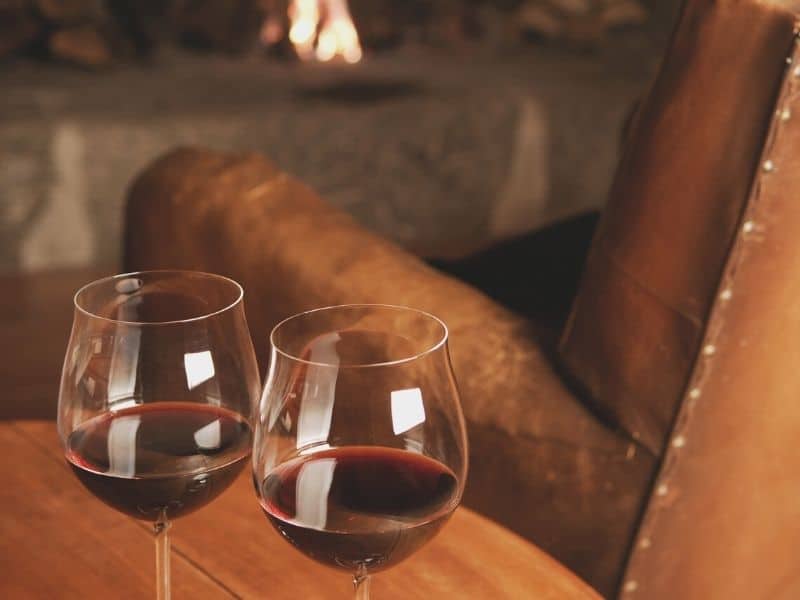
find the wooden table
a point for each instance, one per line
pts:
(57, 541)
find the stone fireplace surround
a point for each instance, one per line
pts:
(437, 150)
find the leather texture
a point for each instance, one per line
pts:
(724, 518)
(682, 341)
(674, 207)
(541, 463)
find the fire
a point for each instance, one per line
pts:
(323, 29)
(304, 16)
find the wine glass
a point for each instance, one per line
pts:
(360, 452)
(157, 395)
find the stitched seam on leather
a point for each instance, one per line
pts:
(662, 497)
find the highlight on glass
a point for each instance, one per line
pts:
(157, 395)
(360, 452)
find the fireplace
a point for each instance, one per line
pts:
(441, 124)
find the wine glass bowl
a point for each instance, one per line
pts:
(360, 454)
(158, 461)
(157, 394)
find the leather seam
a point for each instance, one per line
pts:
(662, 495)
(619, 266)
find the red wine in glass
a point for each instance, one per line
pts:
(359, 505)
(361, 451)
(157, 395)
(163, 456)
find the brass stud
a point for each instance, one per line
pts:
(726, 294)
(748, 226)
(678, 441)
(768, 166)
(694, 393)
(709, 349)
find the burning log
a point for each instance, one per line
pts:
(70, 12)
(95, 33)
(377, 23)
(19, 26)
(84, 45)
(230, 27)
(581, 23)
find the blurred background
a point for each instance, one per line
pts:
(442, 124)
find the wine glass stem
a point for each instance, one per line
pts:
(361, 584)
(161, 530)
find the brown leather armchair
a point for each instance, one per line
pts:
(662, 434)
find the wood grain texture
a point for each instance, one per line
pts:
(58, 541)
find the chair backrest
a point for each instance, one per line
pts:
(686, 329)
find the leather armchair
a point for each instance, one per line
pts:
(662, 434)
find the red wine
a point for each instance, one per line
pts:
(359, 506)
(162, 456)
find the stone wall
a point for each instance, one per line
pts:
(439, 153)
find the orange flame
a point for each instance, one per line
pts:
(323, 29)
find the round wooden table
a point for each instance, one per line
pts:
(57, 541)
